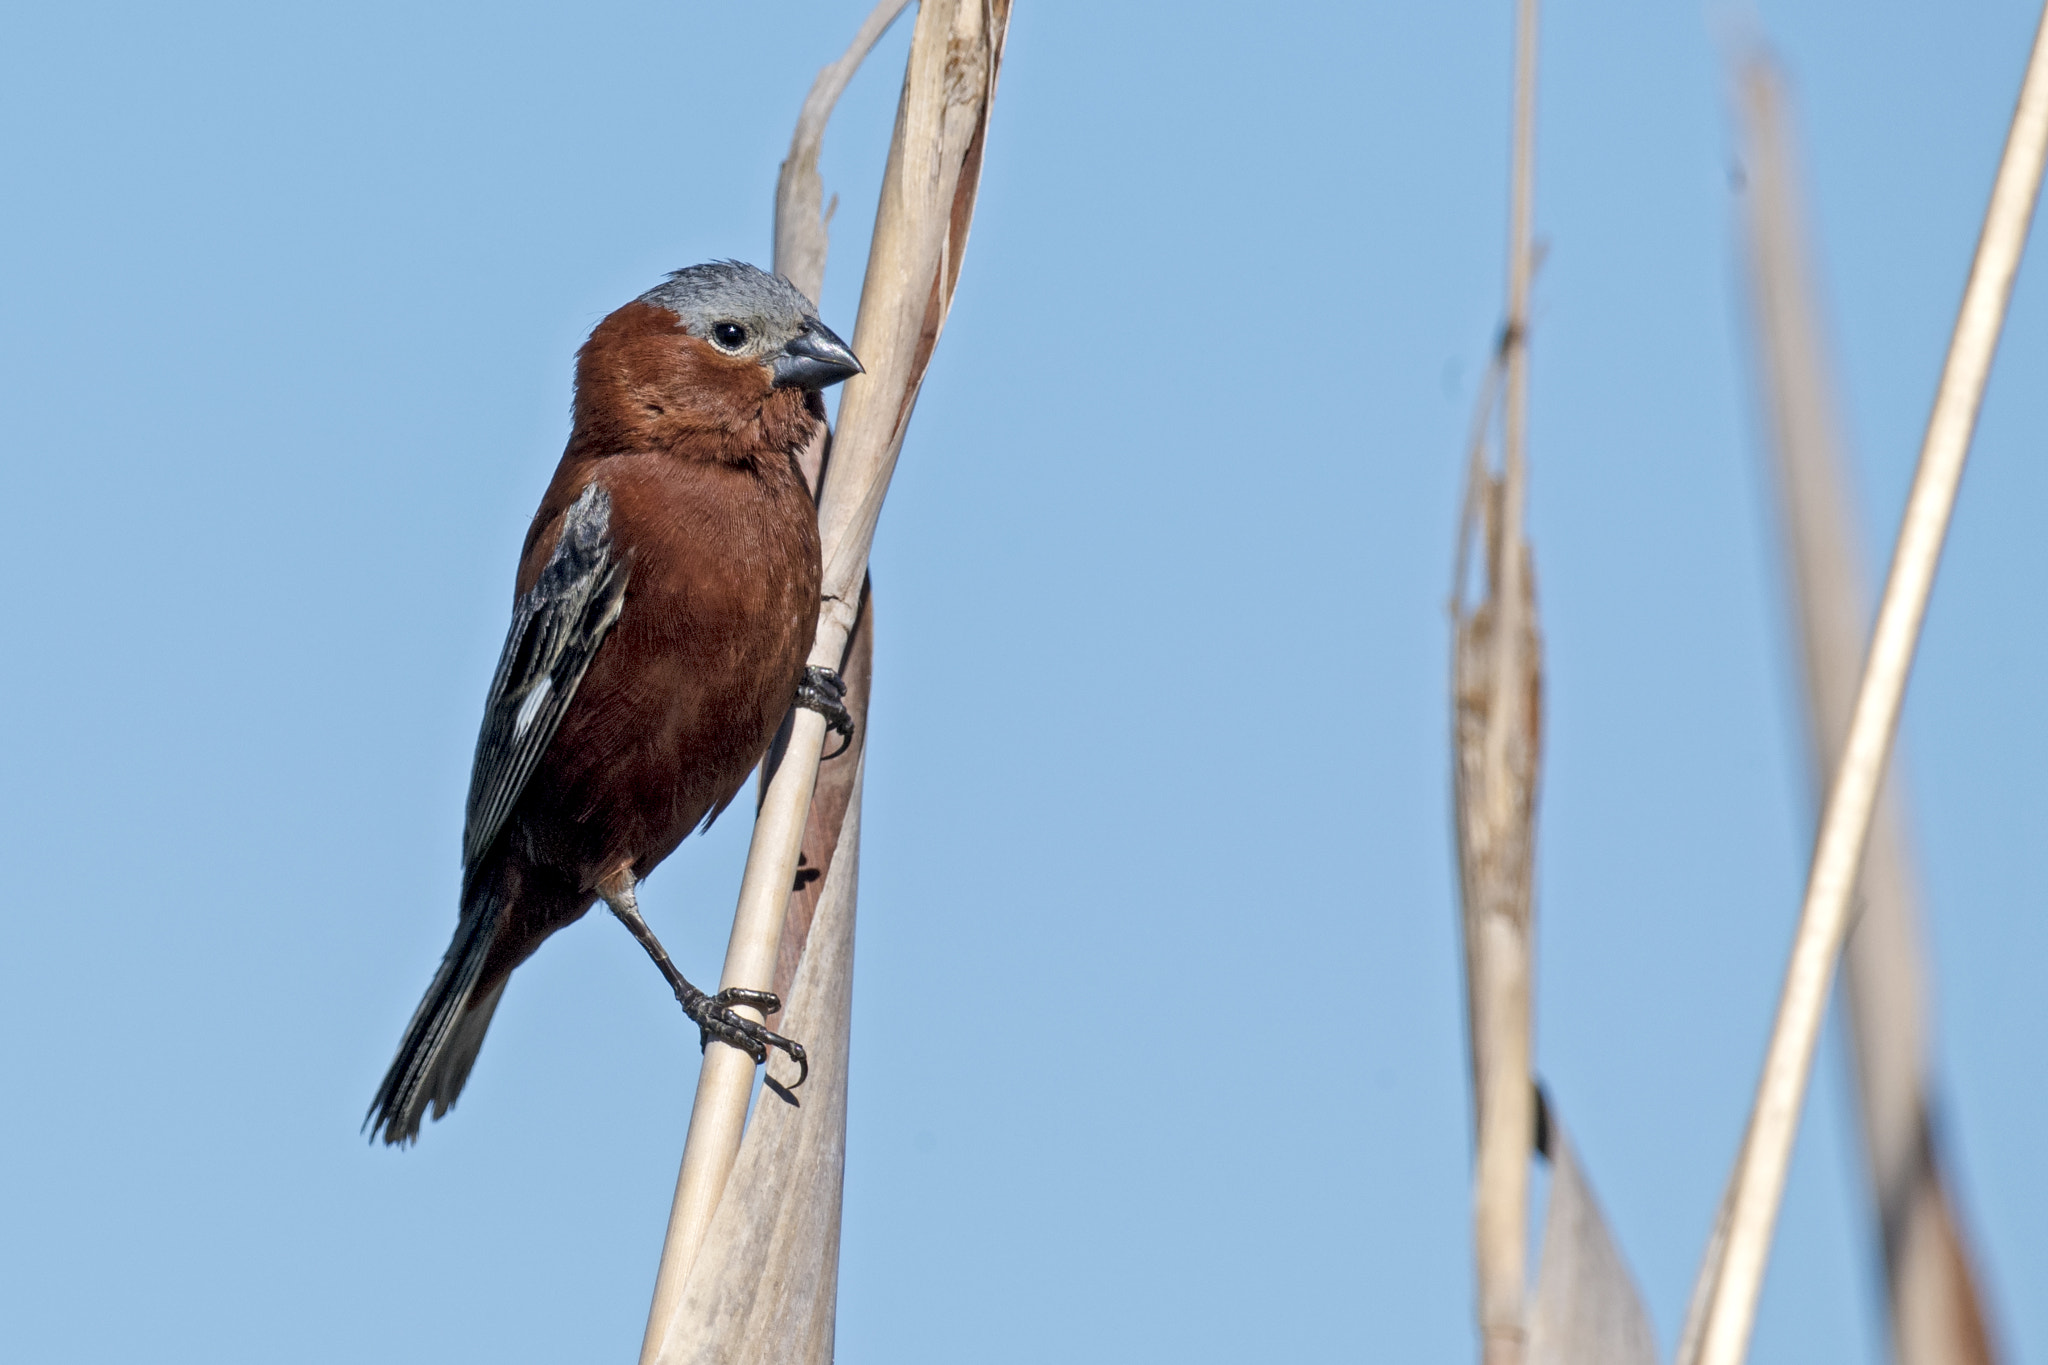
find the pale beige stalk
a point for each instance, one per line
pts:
(725, 1082)
(1935, 1309)
(765, 1285)
(1496, 681)
(1729, 1305)
(800, 213)
(927, 203)
(801, 216)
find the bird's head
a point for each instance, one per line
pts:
(720, 356)
(747, 315)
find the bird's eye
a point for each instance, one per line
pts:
(730, 335)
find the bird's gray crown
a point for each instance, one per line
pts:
(713, 297)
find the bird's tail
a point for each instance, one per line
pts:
(442, 1040)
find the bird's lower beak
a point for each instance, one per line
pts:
(814, 359)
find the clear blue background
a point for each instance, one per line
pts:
(1158, 1047)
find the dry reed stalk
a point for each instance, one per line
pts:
(801, 214)
(765, 1285)
(921, 223)
(801, 217)
(1731, 1278)
(1496, 682)
(1497, 760)
(1935, 1310)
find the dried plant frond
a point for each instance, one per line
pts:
(1587, 1309)
(1935, 1308)
(1725, 1301)
(921, 223)
(1496, 685)
(801, 218)
(1497, 753)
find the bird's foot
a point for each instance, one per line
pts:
(717, 1018)
(824, 691)
(713, 1014)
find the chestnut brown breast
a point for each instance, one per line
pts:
(681, 700)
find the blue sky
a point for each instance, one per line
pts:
(1158, 1042)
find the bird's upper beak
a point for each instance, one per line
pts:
(815, 359)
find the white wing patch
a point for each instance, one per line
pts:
(530, 707)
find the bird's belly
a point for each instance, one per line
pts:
(677, 707)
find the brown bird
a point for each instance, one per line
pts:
(665, 604)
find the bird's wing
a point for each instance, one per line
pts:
(556, 629)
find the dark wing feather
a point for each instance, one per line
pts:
(556, 629)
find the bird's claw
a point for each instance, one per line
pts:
(716, 1018)
(824, 691)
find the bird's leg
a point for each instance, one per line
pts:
(824, 691)
(714, 1014)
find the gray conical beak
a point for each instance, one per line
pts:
(814, 359)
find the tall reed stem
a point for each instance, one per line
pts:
(1936, 1310)
(921, 224)
(1731, 1280)
(1496, 742)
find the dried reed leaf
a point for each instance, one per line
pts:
(1935, 1309)
(1587, 1310)
(801, 219)
(765, 1286)
(921, 224)
(1496, 728)
(1496, 811)
(1732, 1277)
(834, 800)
